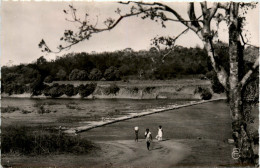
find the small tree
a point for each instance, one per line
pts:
(74, 74)
(95, 74)
(78, 75)
(82, 75)
(54, 91)
(48, 79)
(112, 89)
(61, 75)
(70, 90)
(112, 74)
(86, 90)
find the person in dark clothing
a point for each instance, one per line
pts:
(136, 133)
(148, 138)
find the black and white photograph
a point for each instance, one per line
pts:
(129, 84)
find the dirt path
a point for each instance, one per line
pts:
(127, 153)
(113, 154)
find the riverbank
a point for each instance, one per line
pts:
(172, 89)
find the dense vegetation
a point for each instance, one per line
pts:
(28, 141)
(119, 65)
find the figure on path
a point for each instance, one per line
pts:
(136, 133)
(148, 138)
(160, 133)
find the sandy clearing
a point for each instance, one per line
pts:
(127, 153)
(113, 154)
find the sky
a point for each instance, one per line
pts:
(24, 24)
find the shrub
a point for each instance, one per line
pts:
(133, 90)
(112, 89)
(70, 90)
(41, 110)
(25, 140)
(112, 74)
(14, 88)
(55, 90)
(74, 74)
(205, 93)
(78, 75)
(46, 90)
(19, 89)
(95, 74)
(86, 90)
(149, 89)
(26, 111)
(61, 75)
(48, 79)
(9, 109)
(82, 75)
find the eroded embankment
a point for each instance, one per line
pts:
(175, 90)
(106, 121)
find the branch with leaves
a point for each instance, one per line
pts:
(154, 11)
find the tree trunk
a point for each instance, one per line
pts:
(239, 126)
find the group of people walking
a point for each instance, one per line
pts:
(148, 135)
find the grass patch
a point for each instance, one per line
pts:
(133, 90)
(74, 107)
(28, 141)
(26, 111)
(112, 89)
(116, 112)
(51, 103)
(42, 110)
(9, 109)
(148, 89)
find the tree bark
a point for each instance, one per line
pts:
(239, 126)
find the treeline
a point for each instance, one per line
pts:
(119, 65)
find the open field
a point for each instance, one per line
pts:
(194, 136)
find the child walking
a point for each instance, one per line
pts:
(160, 133)
(148, 138)
(136, 133)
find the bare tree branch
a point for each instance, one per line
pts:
(204, 8)
(89, 30)
(192, 15)
(224, 5)
(85, 30)
(168, 9)
(174, 43)
(245, 43)
(213, 11)
(221, 72)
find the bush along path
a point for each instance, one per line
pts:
(106, 121)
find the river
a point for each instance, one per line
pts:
(71, 112)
